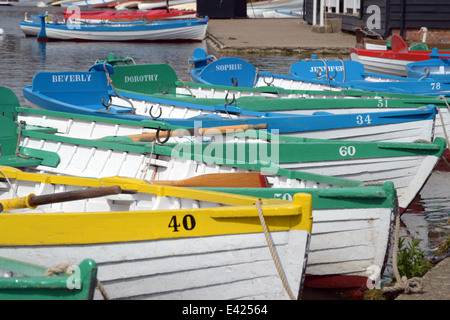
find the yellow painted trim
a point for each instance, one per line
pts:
(17, 203)
(136, 185)
(109, 227)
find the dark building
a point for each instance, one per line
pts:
(404, 17)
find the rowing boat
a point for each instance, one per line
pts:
(438, 67)
(128, 15)
(393, 61)
(147, 239)
(89, 93)
(164, 30)
(267, 99)
(312, 73)
(26, 281)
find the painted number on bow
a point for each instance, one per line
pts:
(435, 86)
(361, 120)
(188, 223)
(382, 103)
(284, 196)
(347, 151)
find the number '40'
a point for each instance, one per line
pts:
(188, 222)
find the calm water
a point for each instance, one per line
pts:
(21, 58)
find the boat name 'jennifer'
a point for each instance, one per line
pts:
(141, 78)
(71, 77)
(226, 67)
(330, 68)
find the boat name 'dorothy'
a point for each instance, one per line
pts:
(226, 67)
(71, 77)
(141, 78)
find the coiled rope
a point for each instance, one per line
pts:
(69, 269)
(272, 251)
(412, 285)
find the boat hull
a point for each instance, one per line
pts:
(80, 158)
(169, 270)
(178, 30)
(394, 67)
(161, 244)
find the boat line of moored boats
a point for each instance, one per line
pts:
(183, 183)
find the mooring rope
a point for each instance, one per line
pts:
(9, 183)
(371, 183)
(442, 119)
(110, 82)
(19, 135)
(185, 85)
(272, 251)
(412, 285)
(69, 269)
(60, 268)
(147, 165)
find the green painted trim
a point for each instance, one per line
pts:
(28, 269)
(262, 104)
(47, 158)
(167, 151)
(382, 196)
(144, 123)
(78, 286)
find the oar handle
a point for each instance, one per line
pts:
(148, 137)
(32, 201)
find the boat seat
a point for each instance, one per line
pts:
(145, 78)
(339, 71)
(230, 71)
(200, 58)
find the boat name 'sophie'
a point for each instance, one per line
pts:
(226, 67)
(141, 78)
(71, 77)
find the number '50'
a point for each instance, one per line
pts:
(188, 223)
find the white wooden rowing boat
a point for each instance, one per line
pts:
(153, 242)
(188, 30)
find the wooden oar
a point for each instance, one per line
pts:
(224, 180)
(149, 137)
(32, 201)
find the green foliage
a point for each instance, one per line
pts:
(444, 246)
(410, 260)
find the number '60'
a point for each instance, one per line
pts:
(347, 151)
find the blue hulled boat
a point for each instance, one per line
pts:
(313, 74)
(438, 67)
(91, 93)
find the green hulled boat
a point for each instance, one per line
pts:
(24, 281)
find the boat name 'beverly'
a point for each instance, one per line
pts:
(141, 78)
(71, 77)
(226, 67)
